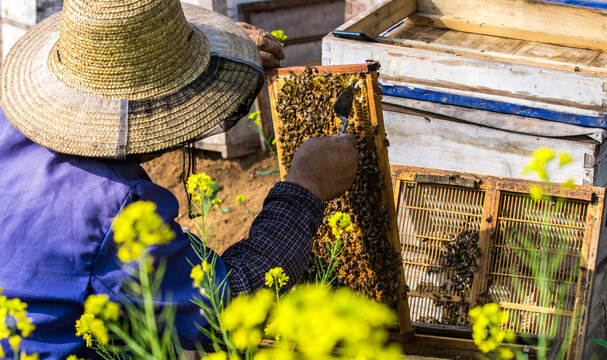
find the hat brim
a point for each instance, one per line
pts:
(68, 121)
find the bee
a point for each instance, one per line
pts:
(305, 107)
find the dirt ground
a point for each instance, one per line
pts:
(235, 176)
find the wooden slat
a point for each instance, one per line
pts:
(587, 271)
(273, 85)
(600, 61)
(374, 99)
(558, 53)
(379, 18)
(435, 68)
(522, 19)
(352, 68)
(478, 292)
(475, 43)
(428, 141)
(458, 42)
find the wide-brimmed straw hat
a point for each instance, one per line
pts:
(115, 78)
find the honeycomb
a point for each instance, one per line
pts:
(304, 104)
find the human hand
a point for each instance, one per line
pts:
(269, 47)
(325, 165)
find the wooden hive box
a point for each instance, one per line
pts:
(544, 59)
(457, 97)
(471, 239)
(302, 107)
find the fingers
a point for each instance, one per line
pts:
(268, 60)
(351, 139)
(269, 47)
(272, 45)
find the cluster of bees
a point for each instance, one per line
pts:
(304, 103)
(458, 264)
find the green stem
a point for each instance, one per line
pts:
(148, 305)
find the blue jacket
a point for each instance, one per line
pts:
(56, 246)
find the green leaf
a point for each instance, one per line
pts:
(266, 172)
(215, 186)
(601, 342)
(224, 209)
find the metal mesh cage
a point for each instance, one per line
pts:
(429, 217)
(537, 239)
(469, 239)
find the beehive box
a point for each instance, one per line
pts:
(544, 59)
(302, 107)
(470, 239)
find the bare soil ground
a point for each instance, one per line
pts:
(235, 176)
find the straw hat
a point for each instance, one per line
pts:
(114, 78)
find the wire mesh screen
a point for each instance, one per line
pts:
(537, 241)
(471, 239)
(438, 224)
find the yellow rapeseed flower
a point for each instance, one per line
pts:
(111, 311)
(14, 309)
(14, 341)
(243, 318)
(199, 186)
(94, 304)
(340, 222)
(137, 227)
(564, 159)
(88, 325)
(317, 319)
(276, 277)
(73, 357)
(198, 272)
(255, 117)
(536, 192)
(569, 184)
(489, 317)
(240, 199)
(538, 162)
(24, 356)
(280, 36)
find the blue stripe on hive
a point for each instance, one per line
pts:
(492, 105)
(585, 3)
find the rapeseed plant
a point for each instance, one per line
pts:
(277, 278)
(241, 200)
(487, 331)
(542, 266)
(340, 224)
(14, 326)
(256, 120)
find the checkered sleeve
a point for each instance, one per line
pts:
(281, 235)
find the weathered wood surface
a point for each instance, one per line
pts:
(553, 89)
(496, 120)
(379, 18)
(428, 141)
(545, 55)
(523, 19)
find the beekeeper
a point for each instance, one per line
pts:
(89, 93)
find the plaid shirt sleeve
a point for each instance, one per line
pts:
(281, 235)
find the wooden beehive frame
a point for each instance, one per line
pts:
(494, 189)
(374, 101)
